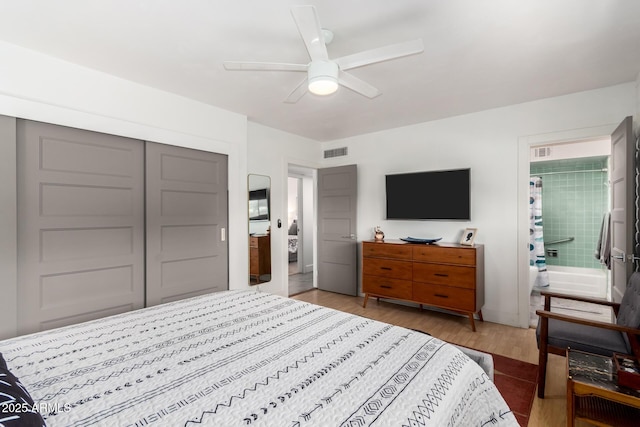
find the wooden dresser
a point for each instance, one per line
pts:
(259, 258)
(444, 275)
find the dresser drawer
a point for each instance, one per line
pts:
(394, 288)
(437, 254)
(254, 260)
(385, 250)
(440, 274)
(387, 268)
(445, 296)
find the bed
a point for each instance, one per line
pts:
(293, 248)
(293, 241)
(247, 358)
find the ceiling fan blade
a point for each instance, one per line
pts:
(297, 93)
(259, 66)
(310, 31)
(380, 54)
(355, 84)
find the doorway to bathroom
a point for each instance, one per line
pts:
(300, 226)
(572, 221)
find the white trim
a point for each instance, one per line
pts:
(525, 143)
(8, 228)
(314, 166)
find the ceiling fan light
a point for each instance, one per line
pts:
(323, 77)
(323, 85)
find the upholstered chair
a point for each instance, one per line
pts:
(557, 332)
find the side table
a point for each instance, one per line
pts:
(593, 393)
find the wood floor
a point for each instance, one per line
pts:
(300, 282)
(516, 343)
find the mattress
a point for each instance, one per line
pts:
(238, 358)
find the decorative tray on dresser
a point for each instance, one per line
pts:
(443, 275)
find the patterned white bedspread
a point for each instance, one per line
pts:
(239, 358)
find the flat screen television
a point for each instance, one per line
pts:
(259, 204)
(436, 195)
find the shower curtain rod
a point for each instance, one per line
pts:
(579, 171)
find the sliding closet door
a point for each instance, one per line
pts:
(186, 193)
(80, 225)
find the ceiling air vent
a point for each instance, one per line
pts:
(335, 152)
(540, 152)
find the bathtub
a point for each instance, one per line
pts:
(590, 282)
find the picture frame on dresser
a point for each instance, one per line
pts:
(468, 236)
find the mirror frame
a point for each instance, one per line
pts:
(258, 194)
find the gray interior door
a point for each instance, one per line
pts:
(186, 199)
(622, 206)
(337, 243)
(80, 225)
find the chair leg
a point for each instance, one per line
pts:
(542, 373)
(543, 356)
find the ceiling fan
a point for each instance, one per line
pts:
(324, 74)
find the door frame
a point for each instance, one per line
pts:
(525, 143)
(312, 166)
(301, 218)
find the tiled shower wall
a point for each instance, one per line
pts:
(574, 202)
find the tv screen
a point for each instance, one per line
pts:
(258, 205)
(443, 195)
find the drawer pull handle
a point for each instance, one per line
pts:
(386, 286)
(441, 296)
(386, 268)
(441, 274)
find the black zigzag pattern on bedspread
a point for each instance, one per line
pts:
(151, 325)
(435, 394)
(381, 398)
(166, 388)
(109, 364)
(127, 321)
(299, 387)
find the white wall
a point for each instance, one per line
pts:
(488, 143)
(270, 152)
(38, 87)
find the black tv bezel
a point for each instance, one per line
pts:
(398, 218)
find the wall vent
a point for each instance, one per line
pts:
(540, 152)
(335, 152)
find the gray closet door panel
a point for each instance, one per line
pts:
(186, 199)
(60, 320)
(80, 225)
(68, 244)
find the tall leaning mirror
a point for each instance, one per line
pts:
(259, 229)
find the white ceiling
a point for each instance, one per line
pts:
(479, 54)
